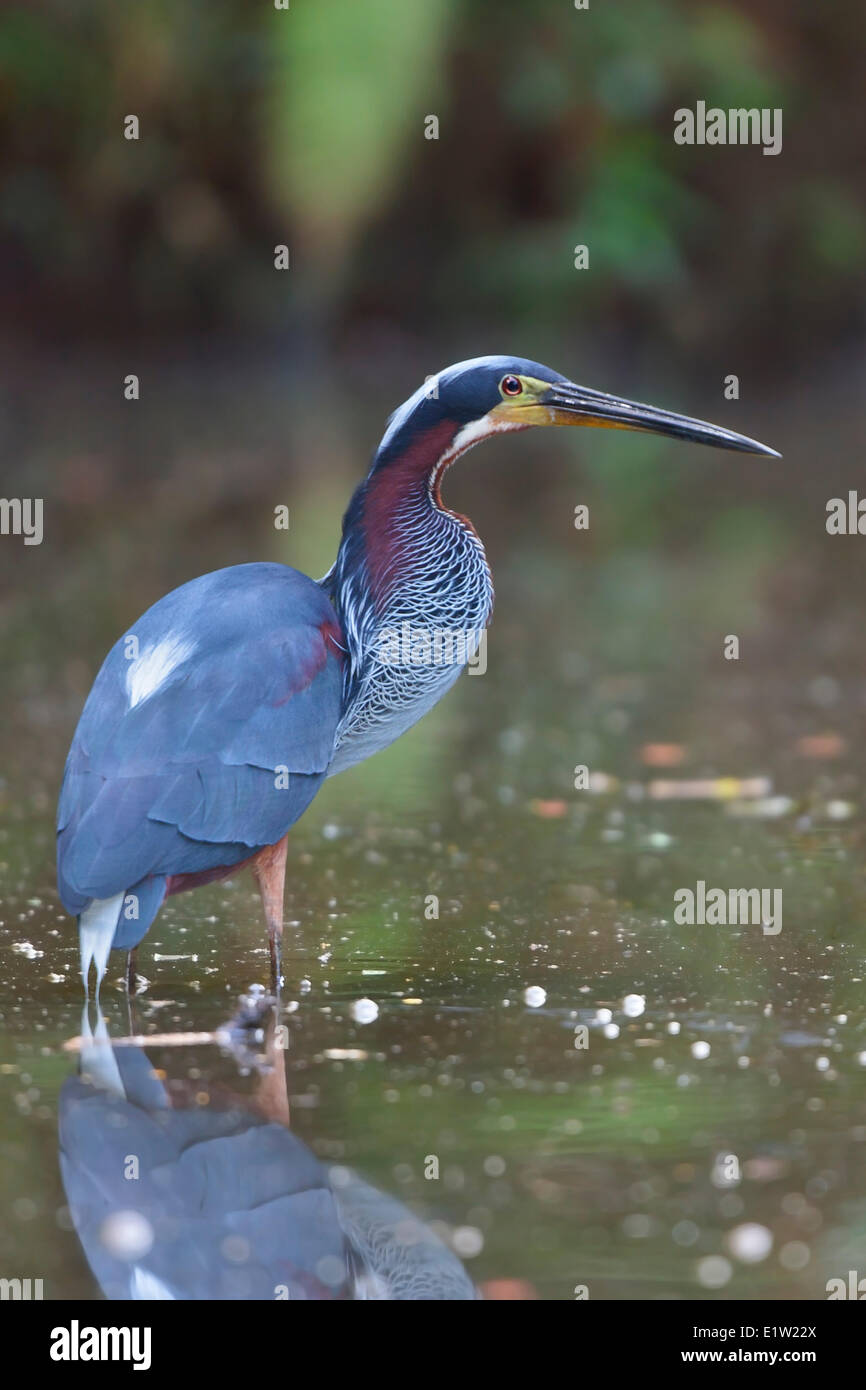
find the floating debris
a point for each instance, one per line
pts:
(534, 996)
(820, 746)
(633, 1005)
(548, 810)
(765, 1168)
(147, 1040)
(602, 782)
(700, 1051)
(708, 788)
(765, 808)
(345, 1054)
(26, 948)
(662, 754)
(508, 1290)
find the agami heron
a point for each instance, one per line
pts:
(213, 1176)
(215, 719)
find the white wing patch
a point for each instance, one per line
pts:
(152, 668)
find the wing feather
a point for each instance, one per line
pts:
(176, 767)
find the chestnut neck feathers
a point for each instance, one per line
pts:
(407, 565)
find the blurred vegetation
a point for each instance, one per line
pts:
(306, 126)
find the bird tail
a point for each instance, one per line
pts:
(96, 927)
(119, 921)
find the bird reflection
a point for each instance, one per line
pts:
(178, 1193)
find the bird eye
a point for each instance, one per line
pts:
(511, 386)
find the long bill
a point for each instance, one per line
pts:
(567, 404)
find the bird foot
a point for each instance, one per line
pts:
(245, 1034)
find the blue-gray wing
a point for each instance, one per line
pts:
(206, 1179)
(207, 733)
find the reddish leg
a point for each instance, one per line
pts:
(272, 1096)
(269, 867)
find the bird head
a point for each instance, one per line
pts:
(488, 395)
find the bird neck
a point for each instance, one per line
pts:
(406, 562)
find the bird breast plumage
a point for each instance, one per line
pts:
(412, 645)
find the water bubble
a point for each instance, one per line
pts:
(467, 1242)
(714, 1271)
(750, 1243)
(127, 1235)
(364, 1010)
(637, 1226)
(795, 1255)
(685, 1233)
(330, 1271)
(235, 1249)
(494, 1166)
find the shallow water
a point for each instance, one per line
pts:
(708, 1140)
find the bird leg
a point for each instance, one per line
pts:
(272, 1097)
(131, 1019)
(269, 867)
(130, 970)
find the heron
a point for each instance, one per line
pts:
(228, 1173)
(217, 716)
